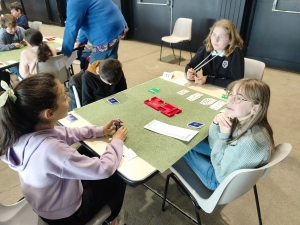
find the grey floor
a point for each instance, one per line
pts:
(278, 191)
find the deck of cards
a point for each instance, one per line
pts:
(113, 101)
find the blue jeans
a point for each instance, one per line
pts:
(15, 70)
(199, 160)
(111, 52)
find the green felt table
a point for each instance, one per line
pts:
(16, 53)
(158, 150)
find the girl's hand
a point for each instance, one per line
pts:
(200, 80)
(224, 122)
(191, 74)
(109, 127)
(120, 134)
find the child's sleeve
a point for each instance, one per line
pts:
(73, 135)
(6, 47)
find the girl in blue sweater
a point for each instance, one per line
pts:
(239, 138)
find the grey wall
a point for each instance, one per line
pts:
(275, 36)
(152, 22)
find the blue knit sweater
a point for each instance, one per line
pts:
(7, 40)
(252, 150)
(100, 22)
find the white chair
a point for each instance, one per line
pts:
(182, 32)
(21, 213)
(36, 25)
(232, 187)
(254, 69)
(56, 66)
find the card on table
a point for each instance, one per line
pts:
(113, 101)
(167, 75)
(219, 104)
(208, 101)
(183, 92)
(71, 118)
(196, 124)
(194, 97)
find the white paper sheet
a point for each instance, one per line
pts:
(171, 131)
(128, 153)
(181, 81)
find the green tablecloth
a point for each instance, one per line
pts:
(16, 53)
(159, 150)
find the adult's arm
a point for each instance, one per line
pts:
(76, 13)
(237, 68)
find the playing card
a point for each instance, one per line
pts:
(207, 101)
(167, 75)
(113, 101)
(71, 118)
(219, 104)
(194, 97)
(196, 125)
(183, 92)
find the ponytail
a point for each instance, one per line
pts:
(44, 52)
(33, 95)
(35, 38)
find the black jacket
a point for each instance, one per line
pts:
(221, 71)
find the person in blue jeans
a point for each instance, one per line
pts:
(239, 138)
(100, 22)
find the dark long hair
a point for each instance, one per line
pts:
(35, 38)
(34, 94)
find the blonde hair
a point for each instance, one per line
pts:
(7, 20)
(234, 37)
(258, 93)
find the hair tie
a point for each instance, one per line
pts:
(8, 93)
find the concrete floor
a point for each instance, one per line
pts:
(278, 191)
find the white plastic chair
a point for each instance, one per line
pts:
(36, 25)
(182, 32)
(254, 69)
(21, 213)
(232, 187)
(52, 65)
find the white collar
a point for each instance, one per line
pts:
(214, 52)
